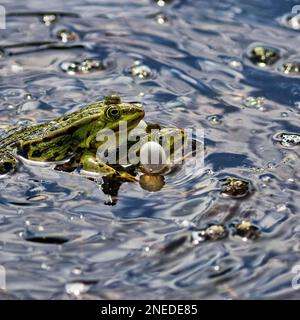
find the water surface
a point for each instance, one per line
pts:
(58, 239)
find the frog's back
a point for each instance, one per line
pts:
(9, 136)
(57, 127)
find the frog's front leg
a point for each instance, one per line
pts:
(91, 164)
(8, 162)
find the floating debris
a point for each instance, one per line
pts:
(254, 102)
(264, 56)
(46, 239)
(288, 140)
(84, 67)
(49, 19)
(66, 36)
(211, 233)
(236, 188)
(152, 183)
(246, 230)
(291, 68)
(140, 70)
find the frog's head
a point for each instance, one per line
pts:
(116, 111)
(107, 114)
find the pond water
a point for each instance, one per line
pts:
(191, 64)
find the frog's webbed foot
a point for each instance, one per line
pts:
(112, 178)
(88, 164)
(8, 163)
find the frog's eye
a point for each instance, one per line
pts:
(113, 113)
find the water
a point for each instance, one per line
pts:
(187, 62)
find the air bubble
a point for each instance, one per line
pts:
(67, 36)
(84, 67)
(49, 19)
(77, 271)
(292, 68)
(215, 120)
(263, 56)
(140, 71)
(162, 3)
(288, 140)
(76, 288)
(235, 188)
(161, 19)
(246, 230)
(213, 232)
(254, 102)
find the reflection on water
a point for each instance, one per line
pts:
(230, 68)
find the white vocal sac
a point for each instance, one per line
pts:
(153, 157)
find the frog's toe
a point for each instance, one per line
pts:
(126, 177)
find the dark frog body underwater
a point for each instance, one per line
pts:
(70, 138)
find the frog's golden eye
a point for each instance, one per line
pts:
(113, 113)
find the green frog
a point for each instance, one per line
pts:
(70, 139)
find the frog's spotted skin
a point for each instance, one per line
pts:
(68, 136)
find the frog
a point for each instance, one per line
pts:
(70, 141)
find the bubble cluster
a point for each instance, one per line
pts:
(263, 56)
(84, 67)
(243, 229)
(140, 70)
(288, 140)
(254, 102)
(213, 232)
(291, 21)
(49, 19)
(76, 288)
(246, 230)
(66, 36)
(291, 68)
(235, 188)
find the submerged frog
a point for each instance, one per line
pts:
(70, 138)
